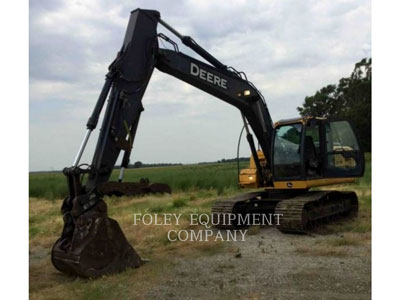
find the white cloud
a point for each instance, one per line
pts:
(288, 49)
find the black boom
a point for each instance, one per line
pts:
(125, 85)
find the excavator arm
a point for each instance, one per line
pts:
(91, 243)
(229, 87)
(130, 74)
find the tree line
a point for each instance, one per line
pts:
(349, 99)
(139, 164)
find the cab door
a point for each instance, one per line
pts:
(342, 156)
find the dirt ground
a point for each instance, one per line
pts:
(332, 263)
(268, 265)
(272, 265)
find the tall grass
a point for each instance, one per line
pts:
(218, 177)
(188, 177)
(365, 181)
(180, 178)
(48, 185)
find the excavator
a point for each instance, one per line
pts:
(292, 156)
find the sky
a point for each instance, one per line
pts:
(288, 49)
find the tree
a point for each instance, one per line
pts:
(138, 164)
(349, 99)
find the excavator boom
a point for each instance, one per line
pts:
(87, 227)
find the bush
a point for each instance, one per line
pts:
(180, 202)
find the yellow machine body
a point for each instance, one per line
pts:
(248, 178)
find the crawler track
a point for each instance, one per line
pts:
(306, 212)
(299, 213)
(235, 205)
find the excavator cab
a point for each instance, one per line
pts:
(309, 152)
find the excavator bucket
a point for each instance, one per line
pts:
(92, 244)
(96, 247)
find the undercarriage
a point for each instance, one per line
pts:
(294, 211)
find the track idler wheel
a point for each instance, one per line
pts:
(96, 247)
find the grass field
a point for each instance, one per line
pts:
(195, 188)
(52, 185)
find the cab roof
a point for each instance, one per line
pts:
(302, 120)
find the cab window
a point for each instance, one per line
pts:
(341, 143)
(287, 154)
(312, 151)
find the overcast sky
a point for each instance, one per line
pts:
(288, 49)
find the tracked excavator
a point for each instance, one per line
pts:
(292, 155)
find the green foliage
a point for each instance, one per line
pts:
(47, 185)
(158, 208)
(200, 181)
(180, 202)
(365, 181)
(349, 99)
(138, 164)
(292, 135)
(33, 231)
(185, 178)
(188, 178)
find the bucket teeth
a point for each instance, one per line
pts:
(97, 247)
